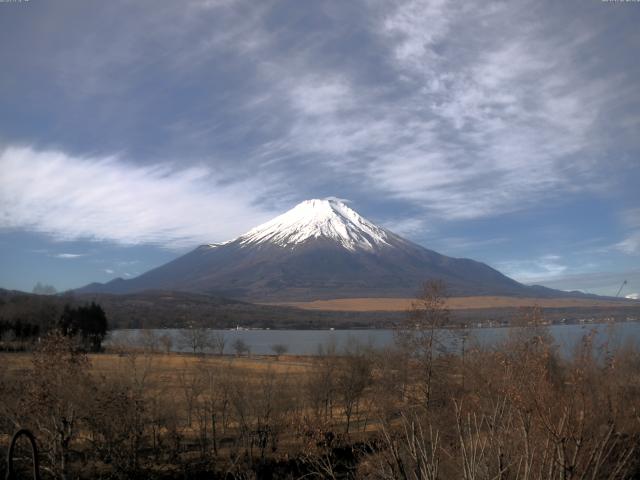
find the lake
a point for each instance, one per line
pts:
(307, 342)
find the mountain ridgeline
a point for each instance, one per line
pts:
(320, 249)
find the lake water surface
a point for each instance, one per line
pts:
(307, 342)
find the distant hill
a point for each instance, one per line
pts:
(164, 309)
(321, 249)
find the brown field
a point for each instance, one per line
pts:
(166, 368)
(453, 303)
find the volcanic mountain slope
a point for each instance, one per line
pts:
(320, 249)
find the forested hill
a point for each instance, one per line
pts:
(159, 309)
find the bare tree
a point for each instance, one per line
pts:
(167, 342)
(354, 376)
(56, 391)
(215, 403)
(279, 349)
(241, 347)
(192, 386)
(419, 334)
(320, 384)
(218, 342)
(115, 420)
(196, 338)
(149, 340)
(409, 454)
(391, 383)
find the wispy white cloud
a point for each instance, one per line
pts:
(69, 255)
(108, 199)
(407, 227)
(109, 271)
(338, 199)
(321, 96)
(538, 270)
(506, 119)
(631, 243)
(470, 128)
(631, 217)
(127, 263)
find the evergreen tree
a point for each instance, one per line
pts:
(88, 321)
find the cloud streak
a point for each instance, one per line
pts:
(69, 255)
(631, 244)
(107, 199)
(542, 269)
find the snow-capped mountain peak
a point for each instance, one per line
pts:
(320, 249)
(313, 219)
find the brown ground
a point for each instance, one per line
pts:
(454, 303)
(166, 368)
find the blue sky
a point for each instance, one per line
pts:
(507, 132)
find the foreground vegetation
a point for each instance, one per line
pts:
(518, 411)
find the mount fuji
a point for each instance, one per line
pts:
(320, 249)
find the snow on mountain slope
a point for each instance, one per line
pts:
(313, 219)
(320, 249)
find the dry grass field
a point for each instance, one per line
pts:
(453, 303)
(170, 374)
(165, 369)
